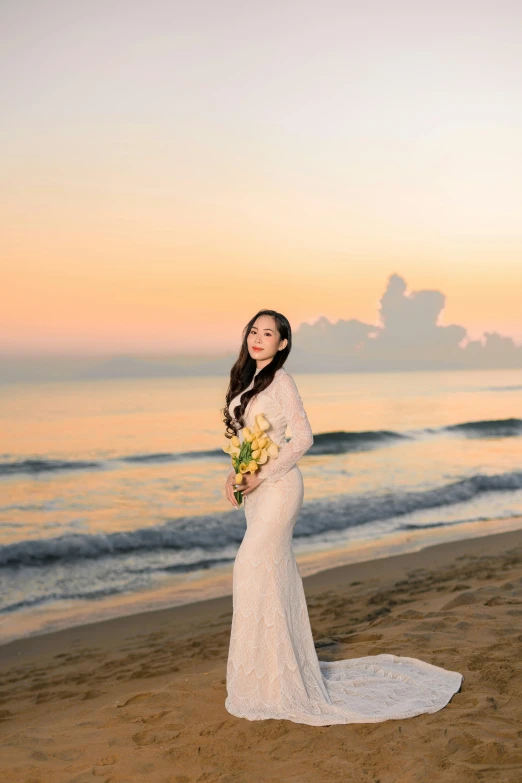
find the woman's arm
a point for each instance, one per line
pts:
(287, 395)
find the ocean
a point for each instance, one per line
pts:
(112, 492)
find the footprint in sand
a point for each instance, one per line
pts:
(154, 718)
(464, 599)
(103, 767)
(152, 737)
(136, 699)
(354, 638)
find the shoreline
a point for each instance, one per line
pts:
(190, 614)
(141, 697)
(216, 582)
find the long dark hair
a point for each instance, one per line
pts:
(245, 367)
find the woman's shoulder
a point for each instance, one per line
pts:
(283, 379)
(277, 381)
(281, 374)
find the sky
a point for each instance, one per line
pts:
(170, 168)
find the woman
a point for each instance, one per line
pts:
(273, 670)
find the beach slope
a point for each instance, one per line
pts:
(141, 697)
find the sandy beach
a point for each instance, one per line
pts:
(142, 697)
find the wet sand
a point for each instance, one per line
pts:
(141, 697)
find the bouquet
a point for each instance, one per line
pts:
(255, 450)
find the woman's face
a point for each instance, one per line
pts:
(264, 341)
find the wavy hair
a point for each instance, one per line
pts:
(244, 368)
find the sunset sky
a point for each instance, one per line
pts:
(169, 168)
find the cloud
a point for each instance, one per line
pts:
(407, 337)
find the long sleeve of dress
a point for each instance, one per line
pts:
(287, 394)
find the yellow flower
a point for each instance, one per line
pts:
(229, 448)
(252, 466)
(243, 467)
(239, 478)
(235, 441)
(256, 453)
(263, 456)
(272, 450)
(261, 422)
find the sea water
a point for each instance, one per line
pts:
(112, 491)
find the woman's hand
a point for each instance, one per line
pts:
(230, 486)
(249, 483)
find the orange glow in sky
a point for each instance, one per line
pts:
(168, 170)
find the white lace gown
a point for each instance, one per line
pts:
(272, 668)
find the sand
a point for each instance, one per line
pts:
(141, 698)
